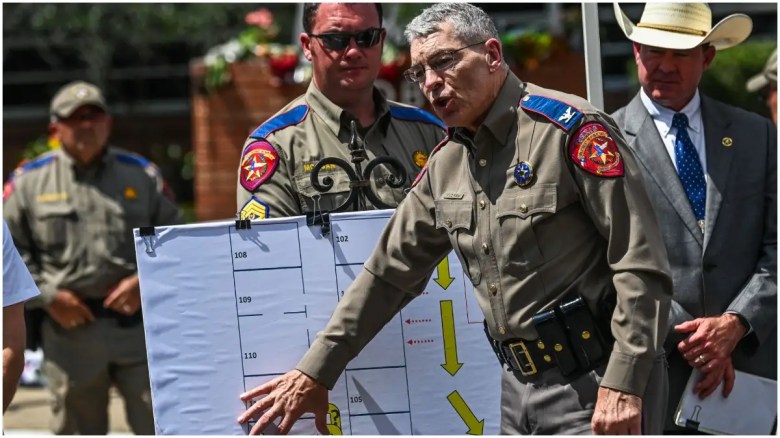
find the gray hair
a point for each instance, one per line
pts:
(470, 23)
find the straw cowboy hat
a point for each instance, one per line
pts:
(682, 26)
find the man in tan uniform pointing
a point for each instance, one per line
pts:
(344, 43)
(544, 207)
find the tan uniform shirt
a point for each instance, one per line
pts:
(275, 167)
(523, 248)
(73, 225)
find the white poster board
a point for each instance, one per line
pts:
(227, 309)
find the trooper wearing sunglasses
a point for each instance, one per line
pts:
(71, 213)
(344, 43)
(544, 206)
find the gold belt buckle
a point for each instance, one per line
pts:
(529, 363)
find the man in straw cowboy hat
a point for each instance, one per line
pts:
(711, 172)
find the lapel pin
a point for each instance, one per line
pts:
(727, 142)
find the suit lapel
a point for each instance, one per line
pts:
(716, 129)
(646, 143)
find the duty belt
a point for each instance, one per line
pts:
(569, 339)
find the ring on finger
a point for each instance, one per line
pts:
(701, 359)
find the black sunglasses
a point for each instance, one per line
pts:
(339, 41)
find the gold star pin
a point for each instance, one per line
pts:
(727, 142)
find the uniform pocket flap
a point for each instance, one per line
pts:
(453, 214)
(339, 177)
(542, 198)
(54, 209)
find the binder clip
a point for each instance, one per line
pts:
(146, 234)
(243, 224)
(318, 217)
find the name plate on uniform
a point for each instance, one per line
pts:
(227, 309)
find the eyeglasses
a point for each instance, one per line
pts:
(440, 62)
(339, 41)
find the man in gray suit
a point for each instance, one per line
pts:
(710, 170)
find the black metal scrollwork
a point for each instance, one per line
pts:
(359, 180)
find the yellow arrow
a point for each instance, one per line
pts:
(448, 333)
(443, 278)
(476, 427)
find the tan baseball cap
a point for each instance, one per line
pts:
(73, 96)
(767, 76)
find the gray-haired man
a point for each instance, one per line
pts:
(551, 224)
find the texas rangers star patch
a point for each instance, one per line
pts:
(595, 151)
(258, 163)
(254, 209)
(8, 188)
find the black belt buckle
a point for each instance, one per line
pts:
(527, 366)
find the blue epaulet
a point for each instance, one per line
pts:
(415, 115)
(560, 113)
(292, 117)
(37, 162)
(137, 160)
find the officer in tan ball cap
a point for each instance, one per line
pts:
(71, 213)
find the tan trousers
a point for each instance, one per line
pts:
(550, 404)
(80, 367)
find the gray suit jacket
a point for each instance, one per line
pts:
(732, 266)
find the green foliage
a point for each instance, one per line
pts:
(725, 79)
(36, 147)
(527, 49)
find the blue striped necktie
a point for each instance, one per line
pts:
(689, 168)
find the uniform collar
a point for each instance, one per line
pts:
(69, 162)
(337, 120)
(662, 114)
(501, 117)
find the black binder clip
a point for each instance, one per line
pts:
(243, 224)
(146, 234)
(318, 217)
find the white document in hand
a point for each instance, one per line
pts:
(750, 409)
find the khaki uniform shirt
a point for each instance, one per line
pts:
(524, 248)
(73, 225)
(274, 172)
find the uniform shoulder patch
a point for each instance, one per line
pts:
(594, 150)
(254, 209)
(559, 113)
(8, 189)
(289, 118)
(258, 163)
(415, 115)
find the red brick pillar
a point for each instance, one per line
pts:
(221, 121)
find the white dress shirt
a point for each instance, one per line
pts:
(662, 117)
(18, 285)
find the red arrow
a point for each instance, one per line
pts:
(419, 341)
(417, 321)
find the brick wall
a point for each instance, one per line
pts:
(221, 121)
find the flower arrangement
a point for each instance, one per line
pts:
(256, 41)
